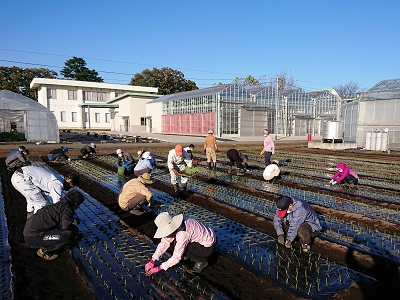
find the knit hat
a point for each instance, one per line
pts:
(75, 197)
(179, 150)
(92, 145)
(167, 224)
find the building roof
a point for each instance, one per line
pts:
(37, 82)
(385, 85)
(194, 93)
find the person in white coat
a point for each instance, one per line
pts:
(178, 160)
(272, 171)
(41, 187)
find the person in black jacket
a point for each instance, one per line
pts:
(58, 155)
(52, 228)
(239, 158)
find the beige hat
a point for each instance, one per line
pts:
(210, 131)
(146, 178)
(167, 224)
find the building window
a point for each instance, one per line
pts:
(96, 96)
(72, 95)
(107, 115)
(143, 121)
(86, 117)
(74, 116)
(51, 93)
(97, 117)
(63, 116)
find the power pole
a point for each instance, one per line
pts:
(276, 107)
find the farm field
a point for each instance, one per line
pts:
(356, 256)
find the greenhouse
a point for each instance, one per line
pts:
(376, 113)
(232, 110)
(20, 114)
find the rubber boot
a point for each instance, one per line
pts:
(214, 166)
(176, 188)
(209, 166)
(229, 169)
(199, 263)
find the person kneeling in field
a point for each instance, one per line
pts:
(344, 175)
(193, 240)
(134, 194)
(51, 228)
(295, 218)
(272, 171)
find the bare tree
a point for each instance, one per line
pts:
(348, 90)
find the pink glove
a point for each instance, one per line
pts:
(149, 265)
(153, 270)
(175, 172)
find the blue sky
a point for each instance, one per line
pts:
(320, 44)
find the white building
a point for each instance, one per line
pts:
(83, 105)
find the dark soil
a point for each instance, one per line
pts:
(62, 279)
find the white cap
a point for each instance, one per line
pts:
(210, 131)
(146, 155)
(92, 145)
(119, 151)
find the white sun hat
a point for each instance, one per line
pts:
(146, 155)
(119, 151)
(167, 224)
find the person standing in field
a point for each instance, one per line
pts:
(269, 147)
(210, 149)
(178, 160)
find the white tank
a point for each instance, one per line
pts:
(332, 132)
(378, 141)
(373, 141)
(368, 141)
(384, 141)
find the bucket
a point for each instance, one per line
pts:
(309, 137)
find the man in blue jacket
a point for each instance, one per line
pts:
(295, 217)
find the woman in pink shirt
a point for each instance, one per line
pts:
(344, 174)
(193, 240)
(269, 147)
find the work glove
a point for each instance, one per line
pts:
(69, 159)
(175, 171)
(334, 182)
(154, 270)
(281, 239)
(149, 265)
(288, 244)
